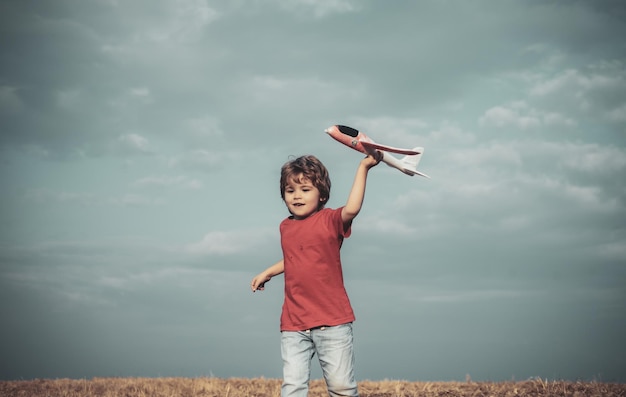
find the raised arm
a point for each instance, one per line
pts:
(258, 282)
(355, 199)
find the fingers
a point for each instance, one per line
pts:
(258, 283)
(375, 157)
(255, 286)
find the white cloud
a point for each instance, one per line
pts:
(204, 127)
(568, 78)
(129, 281)
(557, 119)
(563, 98)
(136, 200)
(549, 57)
(423, 293)
(134, 143)
(388, 225)
(69, 99)
(514, 222)
(516, 115)
(492, 155)
(579, 157)
(513, 187)
(589, 197)
(230, 242)
(392, 131)
(10, 101)
(614, 250)
(601, 77)
(191, 18)
(182, 21)
(450, 133)
(598, 90)
(590, 157)
(202, 159)
(319, 8)
(47, 195)
(180, 181)
(524, 117)
(43, 195)
(202, 132)
(470, 296)
(617, 114)
(143, 94)
(286, 91)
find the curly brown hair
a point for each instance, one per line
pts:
(310, 168)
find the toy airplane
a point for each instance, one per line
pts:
(361, 142)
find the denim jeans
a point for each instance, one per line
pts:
(335, 353)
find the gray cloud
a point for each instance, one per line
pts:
(141, 145)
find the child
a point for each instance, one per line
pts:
(316, 315)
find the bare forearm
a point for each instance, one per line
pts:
(275, 269)
(357, 194)
(258, 282)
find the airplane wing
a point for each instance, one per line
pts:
(375, 146)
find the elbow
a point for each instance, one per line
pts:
(350, 213)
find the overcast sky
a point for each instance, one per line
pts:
(140, 149)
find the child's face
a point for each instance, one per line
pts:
(301, 197)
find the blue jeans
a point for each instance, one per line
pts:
(335, 353)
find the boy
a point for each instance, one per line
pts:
(316, 316)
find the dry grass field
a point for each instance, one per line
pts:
(216, 387)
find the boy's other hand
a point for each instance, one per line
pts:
(258, 283)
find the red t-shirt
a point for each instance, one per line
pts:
(314, 290)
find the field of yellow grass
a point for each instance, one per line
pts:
(260, 387)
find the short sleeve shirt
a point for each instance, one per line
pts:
(314, 291)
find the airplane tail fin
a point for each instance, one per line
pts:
(410, 163)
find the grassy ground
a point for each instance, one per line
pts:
(236, 387)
